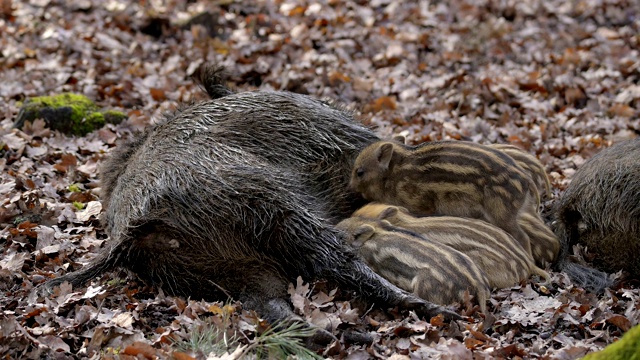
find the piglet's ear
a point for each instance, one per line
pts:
(388, 212)
(401, 139)
(362, 234)
(384, 153)
(403, 210)
(386, 223)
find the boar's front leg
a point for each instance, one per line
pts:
(261, 287)
(375, 288)
(317, 250)
(105, 261)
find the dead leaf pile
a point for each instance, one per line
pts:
(557, 78)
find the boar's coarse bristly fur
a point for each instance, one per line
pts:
(236, 196)
(601, 210)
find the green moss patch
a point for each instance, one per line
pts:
(113, 116)
(75, 188)
(68, 113)
(627, 348)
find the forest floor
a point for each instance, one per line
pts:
(560, 79)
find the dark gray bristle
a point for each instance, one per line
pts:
(237, 196)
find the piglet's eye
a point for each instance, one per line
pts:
(359, 173)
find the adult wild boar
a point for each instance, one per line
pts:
(237, 196)
(601, 210)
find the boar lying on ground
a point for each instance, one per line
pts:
(601, 210)
(236, 196)
(494, 251)
(431, 270)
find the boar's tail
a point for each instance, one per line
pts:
(105, 261)
(587, 277)
(213, 78)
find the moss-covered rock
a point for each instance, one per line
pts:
(627, 348)
(68, 113)
(113, 116)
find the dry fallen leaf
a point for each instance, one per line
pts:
(563, 87)
(54, 343)
(141, 350)
(13, 262)
(93, 208)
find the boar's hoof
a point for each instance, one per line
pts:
(357, 337)
(428, 310)
(320, 339)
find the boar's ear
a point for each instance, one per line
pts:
(362, 234)
(388, 212)
(384, 153)
(399, 138)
